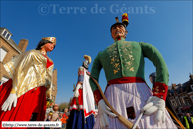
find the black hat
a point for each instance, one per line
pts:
(152, 74)
(125, 21)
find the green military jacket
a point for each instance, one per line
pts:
(126, 59)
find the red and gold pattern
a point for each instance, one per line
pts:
(81, 71)
(52, 39)
(49, 61)
(125, 19)
(160, 90)
(97, 96)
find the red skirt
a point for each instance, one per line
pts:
(33, 101)
(73, 105)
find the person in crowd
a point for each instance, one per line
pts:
(188, 121)
(55, 115)
(47, 118)
(64, 118)
(59, 116)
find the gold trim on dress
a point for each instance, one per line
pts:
(28, 70)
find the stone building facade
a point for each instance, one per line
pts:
(181, 96)
(54, 86)
(8, 50)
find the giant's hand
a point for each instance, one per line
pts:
(155, 104)
(76, 93)
(12, 99)
(103, 111)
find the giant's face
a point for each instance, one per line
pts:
(187, 114)
(66, 110)
(49, 46)
(118, 31)
(151, 79)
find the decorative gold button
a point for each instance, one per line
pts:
(163, 90)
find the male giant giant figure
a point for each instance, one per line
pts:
(123, 63)
(82, 107)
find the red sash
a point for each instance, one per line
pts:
(125, 80)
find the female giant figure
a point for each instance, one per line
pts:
(31, 76)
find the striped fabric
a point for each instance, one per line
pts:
(121, 96)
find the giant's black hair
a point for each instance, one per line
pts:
(41, 43)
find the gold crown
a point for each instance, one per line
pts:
(51, 39)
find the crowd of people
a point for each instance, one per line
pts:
(187, 120)
(58, 116)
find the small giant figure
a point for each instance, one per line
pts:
(82, 108)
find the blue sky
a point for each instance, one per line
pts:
(83, 27)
